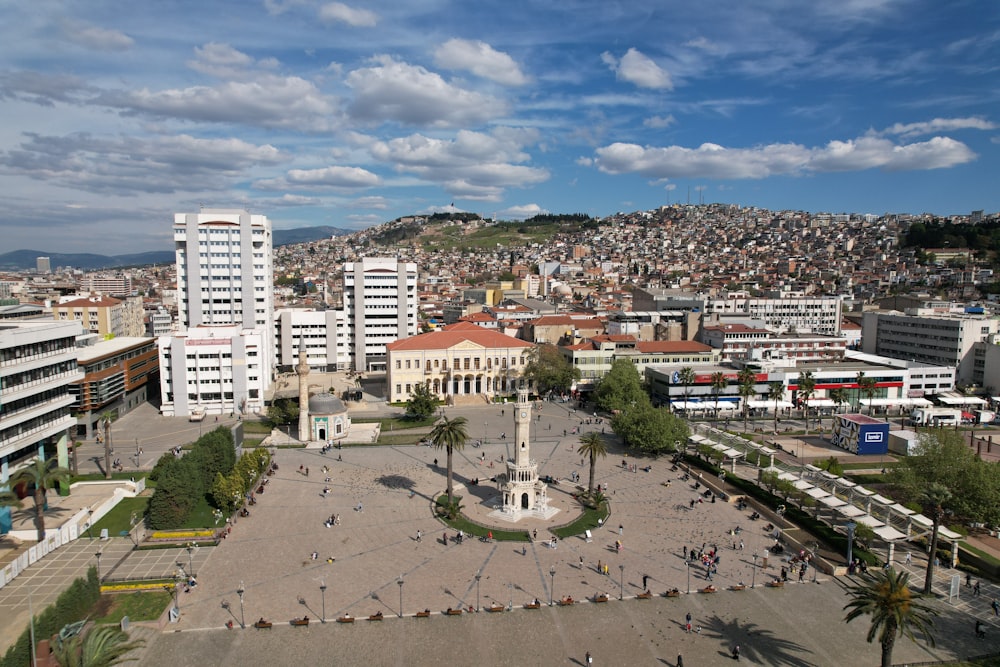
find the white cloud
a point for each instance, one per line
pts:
(377, 203)
(222, 61)
(637, 68)
(338, 11)
(940, 125)
(481, 59)
(335, 177)
(267, 101)
(521, 212)
(714, 161)
(409, 94)
(95, 37)
(657, 122)
(472, 165)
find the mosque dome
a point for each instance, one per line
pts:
(325, 404)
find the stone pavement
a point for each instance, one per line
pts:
(269, 555)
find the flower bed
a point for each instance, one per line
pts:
(180, 534)
(134, 586)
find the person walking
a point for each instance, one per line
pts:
(996, 607)
(645, 578)
(909, 558)
(621, 529)
(975, 589)
(444, 538)
(419, 534)
(589, 659)
(680, 660)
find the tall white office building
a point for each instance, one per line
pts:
(380, 303)
(225, 292)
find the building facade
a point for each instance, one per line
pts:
(103, 315)
(380, 304)
(319, 331)
(117, 377)
(38, 363)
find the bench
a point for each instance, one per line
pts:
(298, 622)
(672, 594)
(709, 589)
(345, 619)
(645, 595)
(453, 612)
(738, 587)
(533, 605)
(566, 601)
(377, 616)
(424, 614)
(266, 625)
(775, 584)
(601, 597)
(493, 608)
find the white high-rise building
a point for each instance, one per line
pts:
(380, 301)
(225, 290)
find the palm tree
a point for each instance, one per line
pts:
(747, 379)
(592, 445)
(9, 499)
(41, 475)
(106, 419)
(895, 610)
(103, 646)
(807, 389)
(775, 392)
(859, 380)
(719, 383)
(450, 434)
(838, 396)
(868, 390)
(686, 376)
(934, 498)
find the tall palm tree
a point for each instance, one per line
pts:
(747, 379)
(41, 475)
(838, 396)
(9, 499)
(859, 380)
(934, 498)
(807, 389)
(895, 610)
(686, 376)
(106, 420)
(450, 434)
(775, 392)
(104, 646)
(592, 445)
(719, 383)
(868, 390)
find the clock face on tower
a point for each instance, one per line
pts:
(523, 413)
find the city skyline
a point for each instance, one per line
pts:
(352, 114)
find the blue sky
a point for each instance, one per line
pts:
(118, 114)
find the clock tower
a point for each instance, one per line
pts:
(524, 495)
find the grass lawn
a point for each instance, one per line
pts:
(98, 477)
(145, 606)
(201, 516)
(256, 427)
(474, 529)
(397, 424)
(589, 520)
(252, 442)
(398, 439)
(117, 520)
(888, 465)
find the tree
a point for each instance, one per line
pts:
(718, 382)
(895, 610)
(549, 371)
(592, 445)
(106, 420)
(838, 396)
(807, 389)
(859, 380)
(747, 380)
(651, 430)
(620, 389)
(775, 392)
(104, 646)
(39, 477)
(687, 377)
(421, 403)
(868, 390)
(450, 434)
(934, 498)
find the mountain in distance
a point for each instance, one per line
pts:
(19, 260)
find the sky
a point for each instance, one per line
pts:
(118, 114)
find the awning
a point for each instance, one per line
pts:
(817, 493)
(948, 534)
(802, 485)
(863, 491)
(821, 403)
(788, 476)
(886, 402)
(922, 520)
(832, 501)
(961, 400)
(850, 511)
(889, 534)
(902, 510)
(881, 500)
(869, 520)
(920, 403)
(768, 405)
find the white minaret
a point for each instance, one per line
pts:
(523, 493)
(302, 370)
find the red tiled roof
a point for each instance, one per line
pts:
(452, 336)
(672, 346)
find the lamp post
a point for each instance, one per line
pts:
(478, 575)
(815, 549)
(850, 526)
(190, 550)
(99, 554)
(322, 592)
(753, 583)
(400, 582)
(90, 523)
(510, 604)
(688, 563)
(621, 581)
(552, 574)
(240, 591)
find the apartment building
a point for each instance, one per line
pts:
(319, 331)
(118, 376)
(103, 315)
(380, 304)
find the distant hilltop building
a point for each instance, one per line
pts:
(43, 265)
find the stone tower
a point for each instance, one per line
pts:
(523, 493)
(302, 370)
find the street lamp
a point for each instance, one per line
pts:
(190, 550)
(99, 554)
(240, 591)
(552, 573)
(621, 581)
(400, 582)
(754, 582)
(322, 592)
(478, 575)
(815, 568)
(688, 563)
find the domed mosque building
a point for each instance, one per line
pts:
(328, 418)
